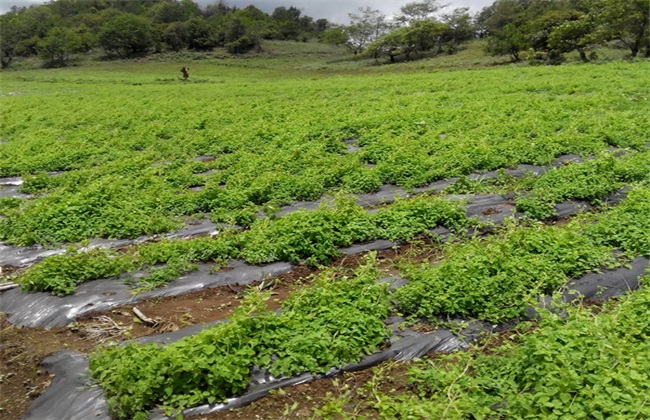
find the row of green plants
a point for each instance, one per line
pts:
(128, 175)
(472, 280)
(313, 237)
(584, 364)
(100, 208)
(591, 181)
(495, 278)
(334, 321)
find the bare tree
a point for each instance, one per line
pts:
(365, 27)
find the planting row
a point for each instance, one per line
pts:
(336, 321)
(315, 237)
(586, 365)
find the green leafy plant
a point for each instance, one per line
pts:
(333, 322)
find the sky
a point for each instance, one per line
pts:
(332, 10)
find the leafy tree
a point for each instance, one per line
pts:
(86, 39)
(166, 12)
(391, 45)
(321, 25)
(238, 40)
(417, 11)
(336, 36)
(9, 38)
(57, 46)
(287, 22)
(259, 25)
(125, 35)
(22, 29)
(200, 34)
(506, 24)
(28, 46)
(573, 35)
(460, 28)
(627, 21)
(175, 36)
(420, 37)
(219, 9)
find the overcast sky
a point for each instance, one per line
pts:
(332, 10)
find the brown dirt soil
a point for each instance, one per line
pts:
(21, 352)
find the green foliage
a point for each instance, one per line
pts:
(634, 168)
(125, 35)
(361, 180)
(111, 207)
(591, 181)
(495, 278)
(584, 365)
(204, 249)
(8, 204)
(329, 324)
(625, 226)
(56, 47)
(311, 235)
(160, 276)
(60, 274)
(406, 219)
(138, 170)
(420, 36)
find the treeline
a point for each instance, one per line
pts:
(124, 28)
(541, 31)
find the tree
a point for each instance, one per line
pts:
(321, 25)
(9, 38)
(57, 46)
(365, 27)
(175, 36)
(238, 40)
(627, 21)
(391, 45)
(289, 24)
(336, 36)
(200, 34)
(506, 25)
(22, 29)
(573, 35)
(460, 28)
(125, 35)
(417, 11)
(420, 37)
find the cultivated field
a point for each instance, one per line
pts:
(328, 214)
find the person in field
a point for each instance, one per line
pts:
(186, 72)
